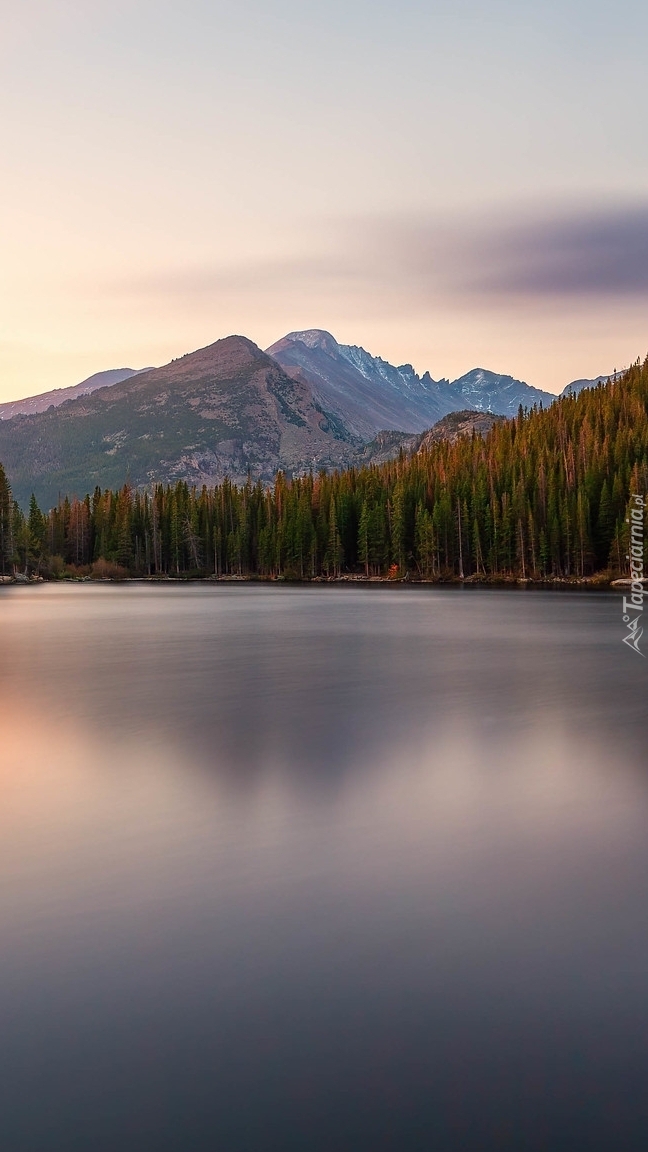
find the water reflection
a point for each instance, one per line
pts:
(320, 868)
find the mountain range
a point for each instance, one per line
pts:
(371, 395)
(231, 409)
(57, 396)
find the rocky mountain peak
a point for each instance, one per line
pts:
(223, 358)
(311, 338)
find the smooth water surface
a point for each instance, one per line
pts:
(321, 869)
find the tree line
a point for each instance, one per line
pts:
(544, 495)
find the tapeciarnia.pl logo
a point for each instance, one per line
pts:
(633, 607)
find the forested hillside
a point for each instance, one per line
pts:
(542, 496)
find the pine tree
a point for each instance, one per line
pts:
(6, 526)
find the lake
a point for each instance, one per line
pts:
(321, 869)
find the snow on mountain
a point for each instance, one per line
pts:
(370, 394)
(365, 392)
(492, 392)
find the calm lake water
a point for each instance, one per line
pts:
(321, 869)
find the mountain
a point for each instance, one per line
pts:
(366, 392)
(484, 391)
(217, 412)
(59, 396)
(369, 394)
(363, 391)
(577, 386)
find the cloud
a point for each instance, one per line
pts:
(600, 253)
(595, 252)
(399, 266)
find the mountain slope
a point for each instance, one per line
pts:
(369, 394)
(387, 445)
(577, 386)
(458, 424)
(365, 392)
(484, 391)
(217, 412)
(57, 396)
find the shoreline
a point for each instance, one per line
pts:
(599, 581)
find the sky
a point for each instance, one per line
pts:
(450, 184)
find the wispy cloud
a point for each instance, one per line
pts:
(566, 253)
(399, 264)
(597, 253)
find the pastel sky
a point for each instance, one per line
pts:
(453, 184)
